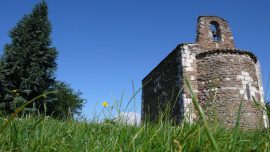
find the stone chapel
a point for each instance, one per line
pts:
(220, 74)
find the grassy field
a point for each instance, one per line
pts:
(46, 134)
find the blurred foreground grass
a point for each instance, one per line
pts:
(46, 134)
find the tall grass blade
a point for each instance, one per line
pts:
(236, 128)
(202, 115)
(17, 111)
(267, 87)
(134, 95)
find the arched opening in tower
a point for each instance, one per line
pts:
(214, 26)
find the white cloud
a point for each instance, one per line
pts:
(130, 118)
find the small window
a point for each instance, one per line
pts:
(214, 26)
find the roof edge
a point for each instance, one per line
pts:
(212, 16)
(176, 48)
(228, 51)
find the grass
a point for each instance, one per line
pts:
(46, 134)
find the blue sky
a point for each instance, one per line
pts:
(105, 45)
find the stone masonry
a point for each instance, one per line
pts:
(221, 75)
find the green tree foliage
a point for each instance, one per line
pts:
(28, 65)
(29, 62)
(66, 103)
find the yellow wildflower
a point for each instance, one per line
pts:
(105, 104)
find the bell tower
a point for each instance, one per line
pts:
(214, 33)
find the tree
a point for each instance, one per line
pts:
(66, 103)
(28, 64)
(27, 70)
